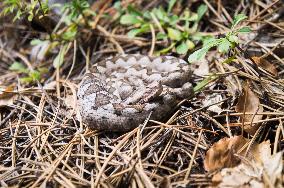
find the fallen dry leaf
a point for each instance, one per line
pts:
(222, 153)
(243, 175)
(272, 164)
(213, 102)
(7, 97)
(266, 65)
(6, 92)
(260, 169)
(249, 103)
(165, 183)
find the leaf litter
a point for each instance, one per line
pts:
(256, 169)
(249, 105)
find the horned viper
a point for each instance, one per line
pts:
(120, 92)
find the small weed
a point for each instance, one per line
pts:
(30, 76)
(223, 44)
(76, 15)
(24, 8)
(181, 30)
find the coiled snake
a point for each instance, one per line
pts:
(119, 93)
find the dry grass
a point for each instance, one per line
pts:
(43, 144)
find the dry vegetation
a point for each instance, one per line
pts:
(42, 142)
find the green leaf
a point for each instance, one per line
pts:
(186, 14)
(171, 5)
(43, 70)
(45, 7)
(70, 34)
(134, 32)
(200, 85)
(224, 46)
(93, 13)
(161, 36)
(161, 14)
(193, 17)
(18, 67)
(129, 19)
(18, 15)
(233, 39)
(229, 60)
(210, 42)
(237, 19)
(147, 15)
(182, 48)
(174, 34)
(202, 38)
(198, 37)
(173, 20)
(193, 29)
(7, 10)
(36, 42)
(190, 44)
(58, 61)
(26, 79)
(134, 11)
(30, 17)
(35, 75)
(165, 50)
(197, 55)
(202, 9)
(244, 30)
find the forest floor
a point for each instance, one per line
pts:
(229, 133)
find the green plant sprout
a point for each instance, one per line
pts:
(30, 76)
(181, 30)
(75, 11)
(23, 8)
(223, 44)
